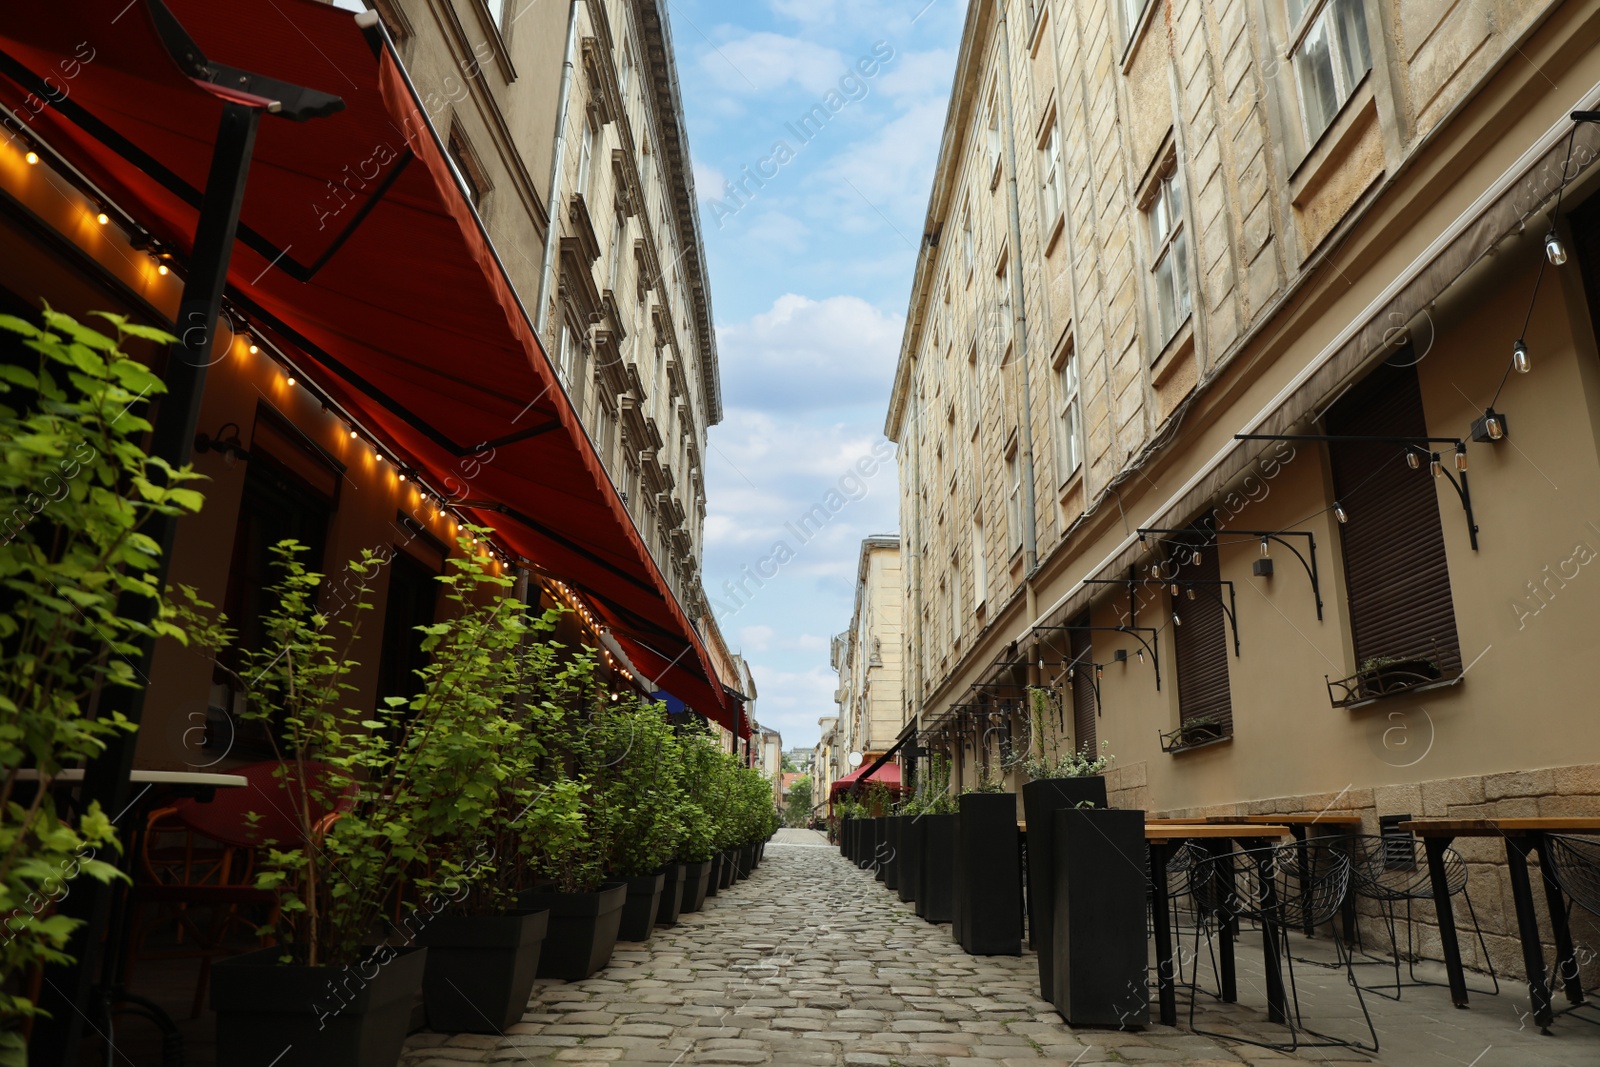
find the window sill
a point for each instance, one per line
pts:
(1053, 236)
(1333, 143)
(502, 54)
(1177, 346)
(1136, 38)
(1070, 482)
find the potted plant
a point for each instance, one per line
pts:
(1380, 675)
(696, 760)
(636, 803)
(935, 831)
(81, 492)
(1060, 777)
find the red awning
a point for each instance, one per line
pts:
(888, 774)
(359, 254)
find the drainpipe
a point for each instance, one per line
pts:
(557, 172)
(1019, 317)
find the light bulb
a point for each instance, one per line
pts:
(1492, 424)
(1175, 620)
(1141, 655)
(1519, 358)
(291, 380)
(1099, 672)
(1461, 459)
(1070, 673)
(1174, 588)
(32, 157)
(1554, 250)
(102, 218)
(379, 455)
(161, 269)
(1191, 592)
(254, 348)
(402, 476)
(353, 433)
(1411, 460)
(1263, 548)
(1339, 512)
(1196, 559)
(1435, 466)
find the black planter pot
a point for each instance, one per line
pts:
(639, 910)
(852, 841)
(909, 858)
(880, 846)
(845, 828)
(725, 878)
(747, 861)
(988, 875)
(331, 1016)
(583, 929)
(890, 867)
(671, 905)
(936, 854)
(714, 875)
(696, 885)
(1040, 801)
(480, 970)
(1098, 942)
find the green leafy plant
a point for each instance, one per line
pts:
(78, 491)
(1048, 755)
(636, 797)
(797, 808)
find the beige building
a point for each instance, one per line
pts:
(565, 127)
(1157, 225)
(826, 765)
(868, 655)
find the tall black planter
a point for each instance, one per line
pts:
(846, 831)
(880, 846)
(729, 869)
(672, 891)
(909, 859)
(331, 1016)
(639, 910)
(714, 880)
(936, 851)
(480, 970)
(1040, 801)
(748, 857)
(989, 892)
(891, 853)
(696, 884)
(1099, 932)
(583, 929)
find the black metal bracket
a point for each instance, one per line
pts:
(1152, 646)
(1308, 561)
(1230, 607)
(1418, 445)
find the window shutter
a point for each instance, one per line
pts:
(1201, 641)
(1084, 706)
(1396, 577)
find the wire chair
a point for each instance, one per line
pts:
(1573, 864)
(1283, 888)
(1378, 873)
(1179, 867)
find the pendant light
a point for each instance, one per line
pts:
(1340, 513)
(1411, 459)
(1519, 358)
(1554, 250)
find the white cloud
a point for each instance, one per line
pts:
(803, 353)
(755, 638)
(762, 62)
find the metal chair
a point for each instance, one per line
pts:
(1573, 864)
(1392, 871)
(1284, 888)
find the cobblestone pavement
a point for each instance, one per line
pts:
(810, 962)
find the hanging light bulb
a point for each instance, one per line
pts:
(1339, 512)
(1435, 466)
(254, 348)
(1519, 358)
(1264, 552)
(1174, 588)
(1175, 620)
(102, 218)
(32, 157)
(161, 269)
(1461, 458)
(1195, 559)
(1554, 250)
(353, 433)
(1494, 426)
(1071, 672)
(379, 455)
(402, 476)
(1099, 672)
(1141, 655)
(1411, 459)
(1191, 592)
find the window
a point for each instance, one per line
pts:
(585, 157)
(605, 431)
(955, 604)
(497, 11)
(980, 563)
(1054, 196)
(1132, 11)
(409, 604)
(992, 142)
(1200, 640)
(1069, 451)
(1169, 252)
(466, 170)
(1013, 501)
(624, 72)
(619, 237)
(968, 252)
(1396, 575)
(972, 386)
(1331, 56)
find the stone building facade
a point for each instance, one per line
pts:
(1154, 226)
(867, 656)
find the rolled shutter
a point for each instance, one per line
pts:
(1396, 576)
(1201, 640)
(1084, 706)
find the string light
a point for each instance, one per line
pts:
(1434, 466)
(353, 433)
(1339, 512)
(1554, 250)
(1496, 429)
(102, 218)
(32, 157)
(292, 380)
(1265, 554)
(254, 348)
(1411, 459)
(161, 269)
(1461, 458)
(402, 476)
(1196, 558)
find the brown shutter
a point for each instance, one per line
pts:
(1084, 706)
(1395, 572)
(1201, 639)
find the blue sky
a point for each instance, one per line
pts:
(810, 256)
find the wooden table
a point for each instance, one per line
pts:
(1162, 836)
(1521, 837)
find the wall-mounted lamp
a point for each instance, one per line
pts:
(228, 444)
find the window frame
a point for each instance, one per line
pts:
(1069, 415)
(1339, 66)
(1052, 178)
(1014, 516)
(1164, 199)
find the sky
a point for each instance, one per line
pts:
(811, 229)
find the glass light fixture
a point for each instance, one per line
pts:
(1174, 588)
(1071, 672)
(1264, 552)
(102, 218)
(1195, 559)
(1099, 672)
(1411, 459)
(1191, 592)
(1435, 466)
(1519, 357)
(1141, 655)
(1340, 513)
(1461, 459)
(1554, 250)
(32, 157)
(1496, 430)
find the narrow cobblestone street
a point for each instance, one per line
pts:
(808, 962)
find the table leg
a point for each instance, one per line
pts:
(1271, 946)
(1528, 927)
(1223, 891)
(1166, 975)
(1566, 955)
(1435, 846)
(1305, 874)
(1347, 906)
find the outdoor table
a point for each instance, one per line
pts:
(1521, 837)
(1161, 837)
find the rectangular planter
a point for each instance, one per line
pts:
(936, 850)
(845, 828)
(639, 910)
(714, 882)
(696, 884)
(583, 929)
(329, 1016)
(480, 970)
(989, 882)
(891, 852)
(910, 869)
(1099, 926)
(1040, 801)
(880, 846)
(671, 905)
(726, 875)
